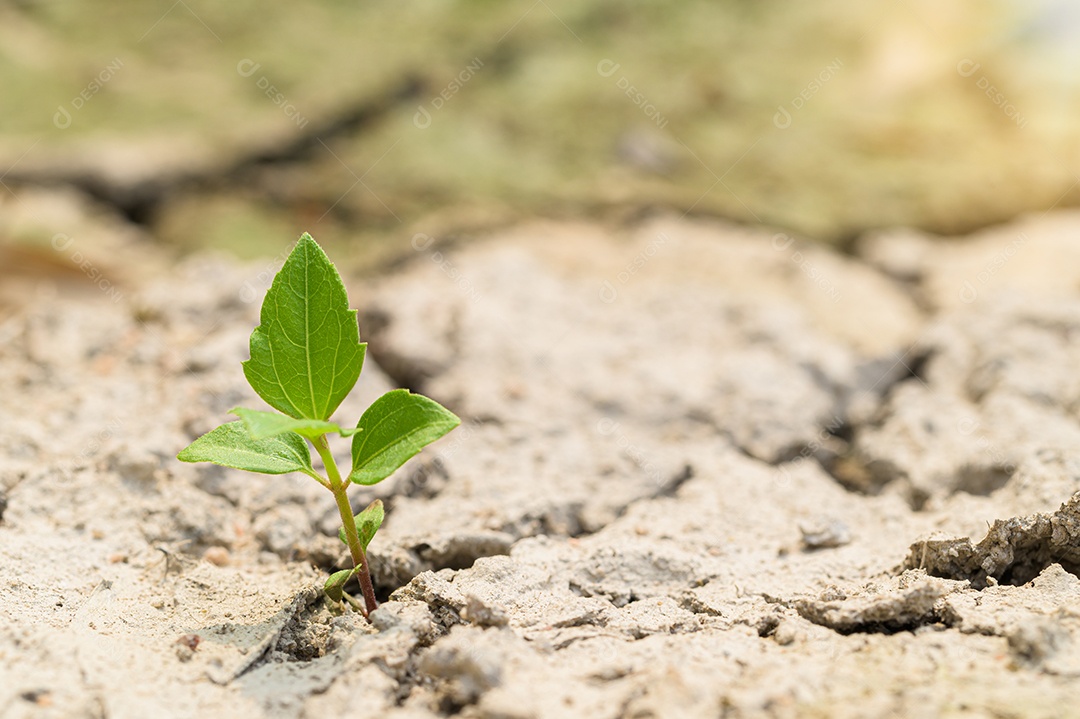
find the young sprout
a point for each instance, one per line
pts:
(306, 356)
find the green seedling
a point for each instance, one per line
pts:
(306, 356)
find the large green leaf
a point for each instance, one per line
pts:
(230, 445)
(306, 353)
(394, 428)
(367, 523)
(261, 425)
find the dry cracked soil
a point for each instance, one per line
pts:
(704, 471)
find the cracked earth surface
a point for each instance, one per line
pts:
(703, 471)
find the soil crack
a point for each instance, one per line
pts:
(1014, 551)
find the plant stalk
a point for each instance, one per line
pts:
(352, 537)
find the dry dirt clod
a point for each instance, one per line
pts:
(825, 533)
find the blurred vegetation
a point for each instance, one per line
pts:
(823, 119)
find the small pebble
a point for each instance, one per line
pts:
(825, 534)
(218, 556)
(786, 633)
(186, 646)
(41, 697)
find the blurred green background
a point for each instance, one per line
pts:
(239, 125)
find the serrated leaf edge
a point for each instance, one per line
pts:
(304, 467)
(456, 421)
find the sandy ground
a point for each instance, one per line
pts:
(704, 471)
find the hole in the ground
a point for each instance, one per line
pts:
(1014, 551)
(836, 457)
(917, 497)
(767, 625)
(982, 479)
(393, 571)
(1027, 567)
(851, 473)
(836, 450)
(890, 627)
(461, 552)
(856, 475)
(916, 367)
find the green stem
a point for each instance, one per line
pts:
(318, 478)
(352, 538)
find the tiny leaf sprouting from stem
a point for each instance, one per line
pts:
(367, 523)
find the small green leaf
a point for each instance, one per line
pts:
(395, 427)
(306, 353)
(335, 583)
(230, 445)
(367, 523)
(261, 425)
